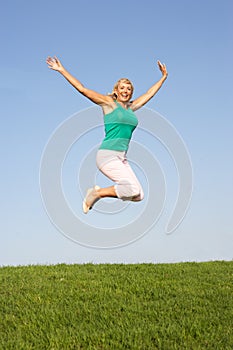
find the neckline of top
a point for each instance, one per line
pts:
(119, 105)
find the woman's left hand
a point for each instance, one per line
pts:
(54, 63)
(163, 69)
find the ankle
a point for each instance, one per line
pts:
(99, 192)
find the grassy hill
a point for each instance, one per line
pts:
(141, 306)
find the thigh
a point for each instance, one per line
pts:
(111, 164)
(115, 166)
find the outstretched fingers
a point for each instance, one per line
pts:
(50, 61)
(161, 65)
(162, 68)
(53, 63)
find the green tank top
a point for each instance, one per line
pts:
(119, 126)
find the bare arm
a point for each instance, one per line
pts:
(55, 64)
(143, 99)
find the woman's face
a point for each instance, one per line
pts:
(124, 92)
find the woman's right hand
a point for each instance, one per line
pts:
(99, 99)
(54, 63)
(163, 69)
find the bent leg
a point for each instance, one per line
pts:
(115, 166)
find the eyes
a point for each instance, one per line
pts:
(123, 87)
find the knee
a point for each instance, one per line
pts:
(129, 191)
(137, 194)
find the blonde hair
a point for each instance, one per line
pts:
(122, 80)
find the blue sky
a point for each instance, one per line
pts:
(99, 42)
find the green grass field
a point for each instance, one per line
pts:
(146, 306)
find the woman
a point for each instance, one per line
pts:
(120, 122)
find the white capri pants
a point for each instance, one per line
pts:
(115, 166)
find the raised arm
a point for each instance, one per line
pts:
(143, 99)
(55, 64)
